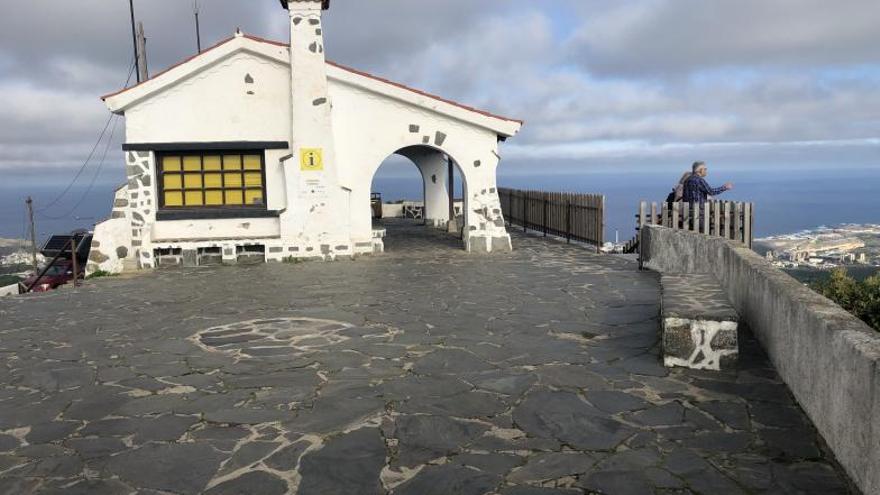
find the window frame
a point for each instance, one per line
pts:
(205, 210)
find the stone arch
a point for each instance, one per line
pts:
(433, 166)
(473, 149)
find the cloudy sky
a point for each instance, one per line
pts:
(599, 83)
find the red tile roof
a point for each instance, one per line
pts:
(334, 64)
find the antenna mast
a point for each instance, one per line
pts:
(134, 41)
(198, 30)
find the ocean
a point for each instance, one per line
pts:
(786, 199)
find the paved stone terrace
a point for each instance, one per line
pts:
(424, 371)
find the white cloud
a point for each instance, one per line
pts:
(594, 80)
(675, 36)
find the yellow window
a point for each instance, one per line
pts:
(194, 198)
(192, 163)
(252, 162)
(173, 198)
(234, 198)
(213, 181)
(233, 180)
(213, 198)
(192, 181)
(253, 179)
(253, 197)
(171, 163)
(212, 162)
(232, 162)
(172, 181)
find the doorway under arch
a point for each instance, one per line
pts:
(403, 197)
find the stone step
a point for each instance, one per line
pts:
(699, 325)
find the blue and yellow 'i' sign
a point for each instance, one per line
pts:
(311, 159)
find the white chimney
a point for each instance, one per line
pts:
(316, 193)
(308, 72)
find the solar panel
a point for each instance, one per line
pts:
(61, 244)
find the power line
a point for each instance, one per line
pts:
(81, 168)
(89, 157)
(94, 176)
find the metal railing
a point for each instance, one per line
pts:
(71, 247)
(573, 217)
(727, 219)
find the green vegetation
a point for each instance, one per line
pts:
(292, 260)
(859, 298)
(8, 280)
(101, 274)
(812, 276)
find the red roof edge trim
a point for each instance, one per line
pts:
(334, 64)
(423, 93)
(266, 40)
(184, 61)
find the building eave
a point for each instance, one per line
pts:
(121, 100)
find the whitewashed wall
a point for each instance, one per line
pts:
(242, 92)
(369, 127)
(218, 104)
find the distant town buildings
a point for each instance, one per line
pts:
(20, 258)
(825, 248)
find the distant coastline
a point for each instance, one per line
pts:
(786, 201)
(810, 255)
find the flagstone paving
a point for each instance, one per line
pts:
(423, 371)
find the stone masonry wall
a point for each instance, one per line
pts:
(829, 359)
(141, 208)
(111, 242)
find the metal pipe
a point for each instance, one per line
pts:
(451, 189)
(45, 269)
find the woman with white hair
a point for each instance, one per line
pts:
(678, 191)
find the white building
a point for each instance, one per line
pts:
(261, 149)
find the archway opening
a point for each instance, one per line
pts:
(410, 200)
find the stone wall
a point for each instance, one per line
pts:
(829, 359)
(112, 239)
(9, 290)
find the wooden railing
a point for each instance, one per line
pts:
(573, 217)
(725, 219)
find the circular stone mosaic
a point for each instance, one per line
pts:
(272, 337)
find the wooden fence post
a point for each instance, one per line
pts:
(747, 224)
(707, 211)
(716, 218)
(545, 219)
(600, 223)
(738, 212)
(751, 224)
(642, 215)
(568, 220)
(674, 219)
(727, 220)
